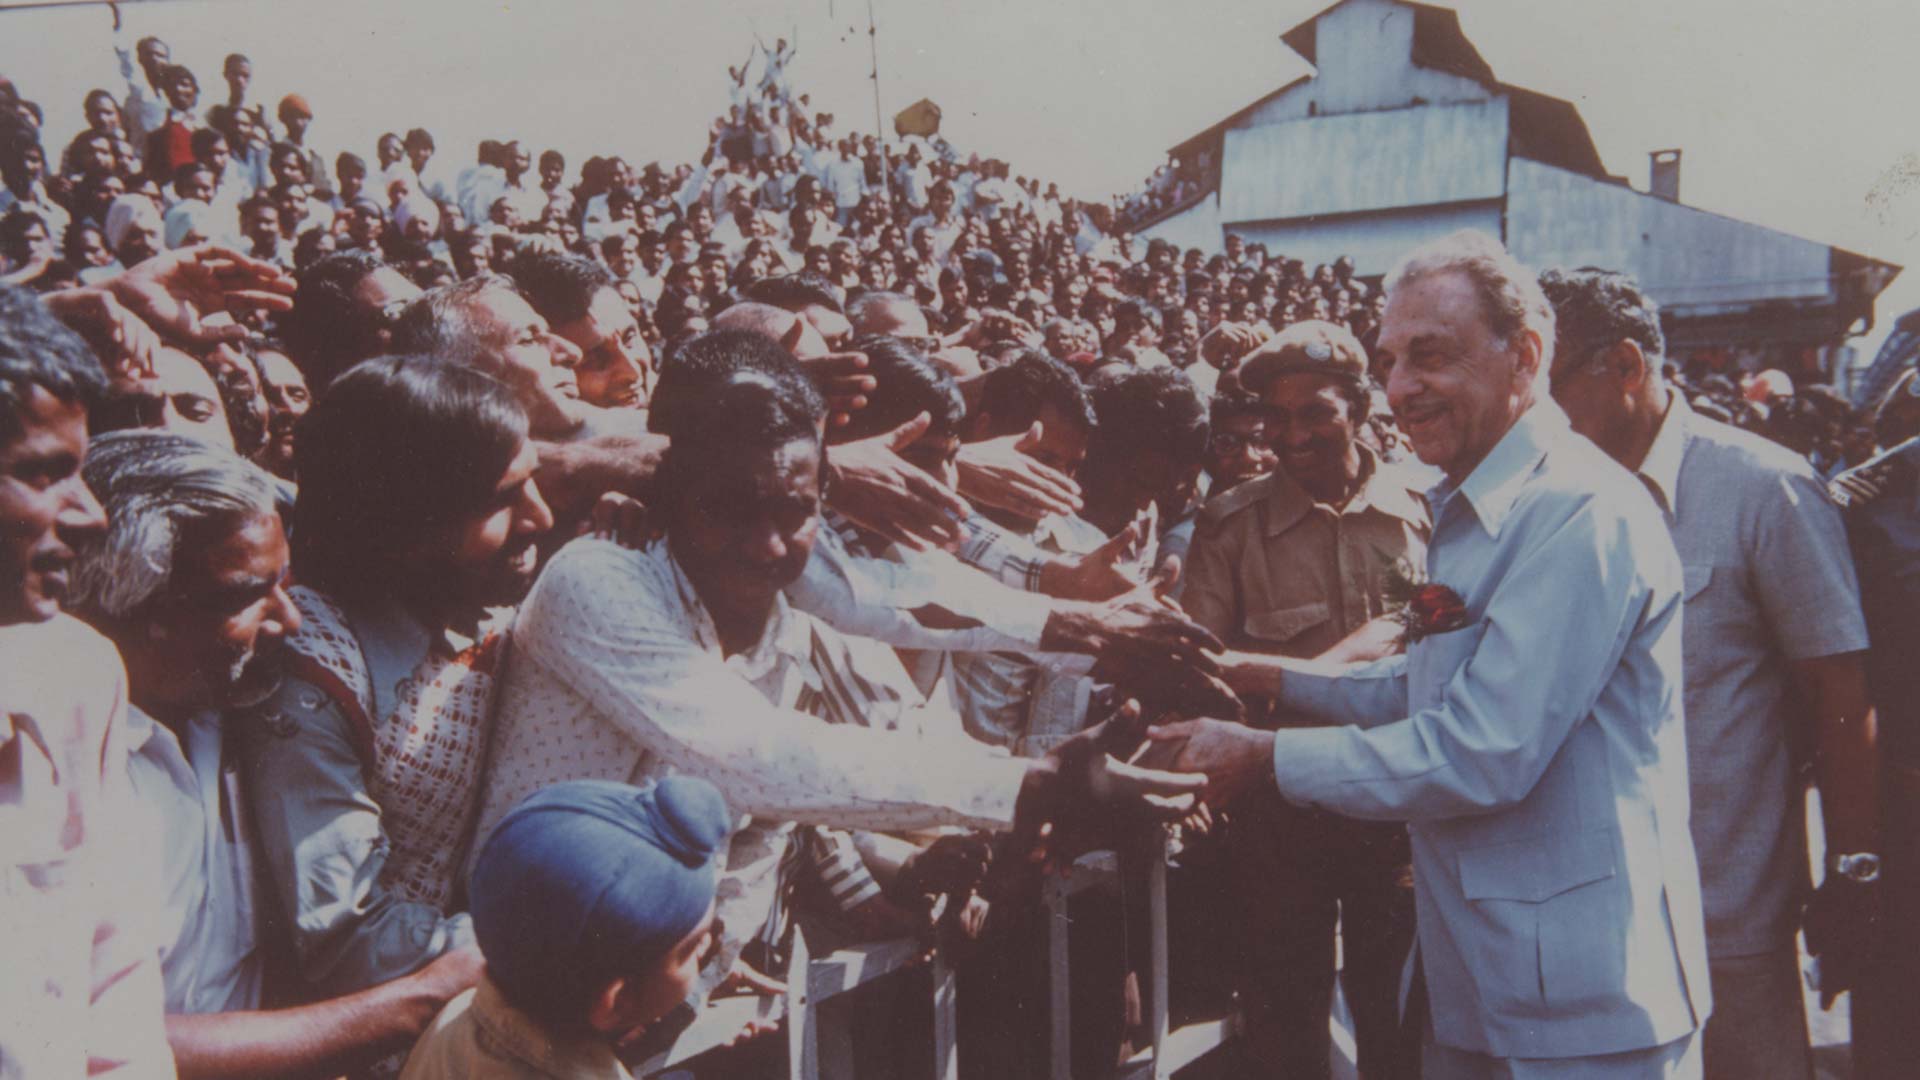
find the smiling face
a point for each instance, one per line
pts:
(1238, 451)
(182, 91)
(1313, 427)
(489, 557)
(615, 363)
(218, 626)
(1454, 384)
(537, 363)
(46, 510)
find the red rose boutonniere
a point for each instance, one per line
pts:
(1423, 607)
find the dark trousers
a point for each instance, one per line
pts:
(1003, 1003)
(1886, 1037)
(1302, 874)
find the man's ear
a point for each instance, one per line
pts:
(1626, 360)
(605, 1012)
(791, 339)
(979, 426)
(1530, 352)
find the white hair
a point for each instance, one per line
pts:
(155, 486)
(1510, 294)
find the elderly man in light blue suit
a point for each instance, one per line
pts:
(1533, 741)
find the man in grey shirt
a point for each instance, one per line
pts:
(1773, 640)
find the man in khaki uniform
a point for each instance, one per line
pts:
(1291, 564)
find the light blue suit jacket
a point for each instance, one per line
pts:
(1538, 756)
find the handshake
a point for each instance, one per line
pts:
(1146, 759)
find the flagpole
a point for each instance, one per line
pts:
(873, 42)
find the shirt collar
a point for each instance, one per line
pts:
(1494, 485)
(141, 729)
(515, 1034)
(1385, 491)
(785, 637)
(394, 643)
(1661, 469)
(1382, 490)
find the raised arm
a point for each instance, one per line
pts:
(597, 629)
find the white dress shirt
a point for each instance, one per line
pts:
(211, 959)
(80, 991)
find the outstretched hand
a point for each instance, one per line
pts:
(880, 491)
(1233, 757)
(1079, 789)
(1142, 628)
(1000, 472)
(178, 293)
(843, 380)
(1098, 574)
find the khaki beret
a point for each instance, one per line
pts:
(1305, 348)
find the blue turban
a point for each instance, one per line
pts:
(588, 880)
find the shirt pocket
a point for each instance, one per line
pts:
(1434, 660)
(1545, 919)
(1537, 869)
(1284, 624)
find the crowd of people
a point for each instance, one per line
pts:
(459, 622)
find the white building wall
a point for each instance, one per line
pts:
(1366, 161)
(1683, 256)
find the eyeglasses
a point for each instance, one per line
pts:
(1230, 442)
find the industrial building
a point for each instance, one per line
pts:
(1404, 134)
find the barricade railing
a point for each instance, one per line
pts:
(1170, 1049)
(818, 1046)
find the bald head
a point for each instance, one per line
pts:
(792, 331)
(887, 313)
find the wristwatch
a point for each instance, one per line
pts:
(1862, 868)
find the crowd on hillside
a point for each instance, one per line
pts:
(459, 618)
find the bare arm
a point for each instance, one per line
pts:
(324, 1038)
(1835, 688)
(573, 475)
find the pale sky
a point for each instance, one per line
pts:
(1795, 115)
